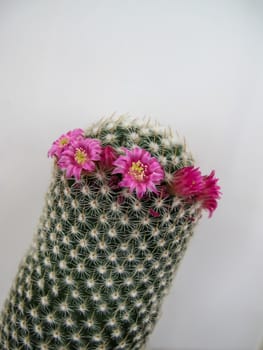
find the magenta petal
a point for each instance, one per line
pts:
(89, 166)
(69, 171)
(187, 181)
(76, 172)
(210, 193)
(108, 156)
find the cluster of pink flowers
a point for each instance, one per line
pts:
(77, 155)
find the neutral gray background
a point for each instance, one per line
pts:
(194, 65)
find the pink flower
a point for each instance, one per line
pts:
(80, 155)
(187, 181)
(63, 142)
(141, 171)
(108, 156)
(210, 193)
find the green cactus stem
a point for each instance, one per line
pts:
(102, 260)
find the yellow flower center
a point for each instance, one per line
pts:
(80, 156)
(64, 141)
(137, 170)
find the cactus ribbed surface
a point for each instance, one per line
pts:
(101, 260)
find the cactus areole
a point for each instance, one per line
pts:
(121, 207)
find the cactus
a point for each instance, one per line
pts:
(102, 259)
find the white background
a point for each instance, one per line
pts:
(194, 65)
